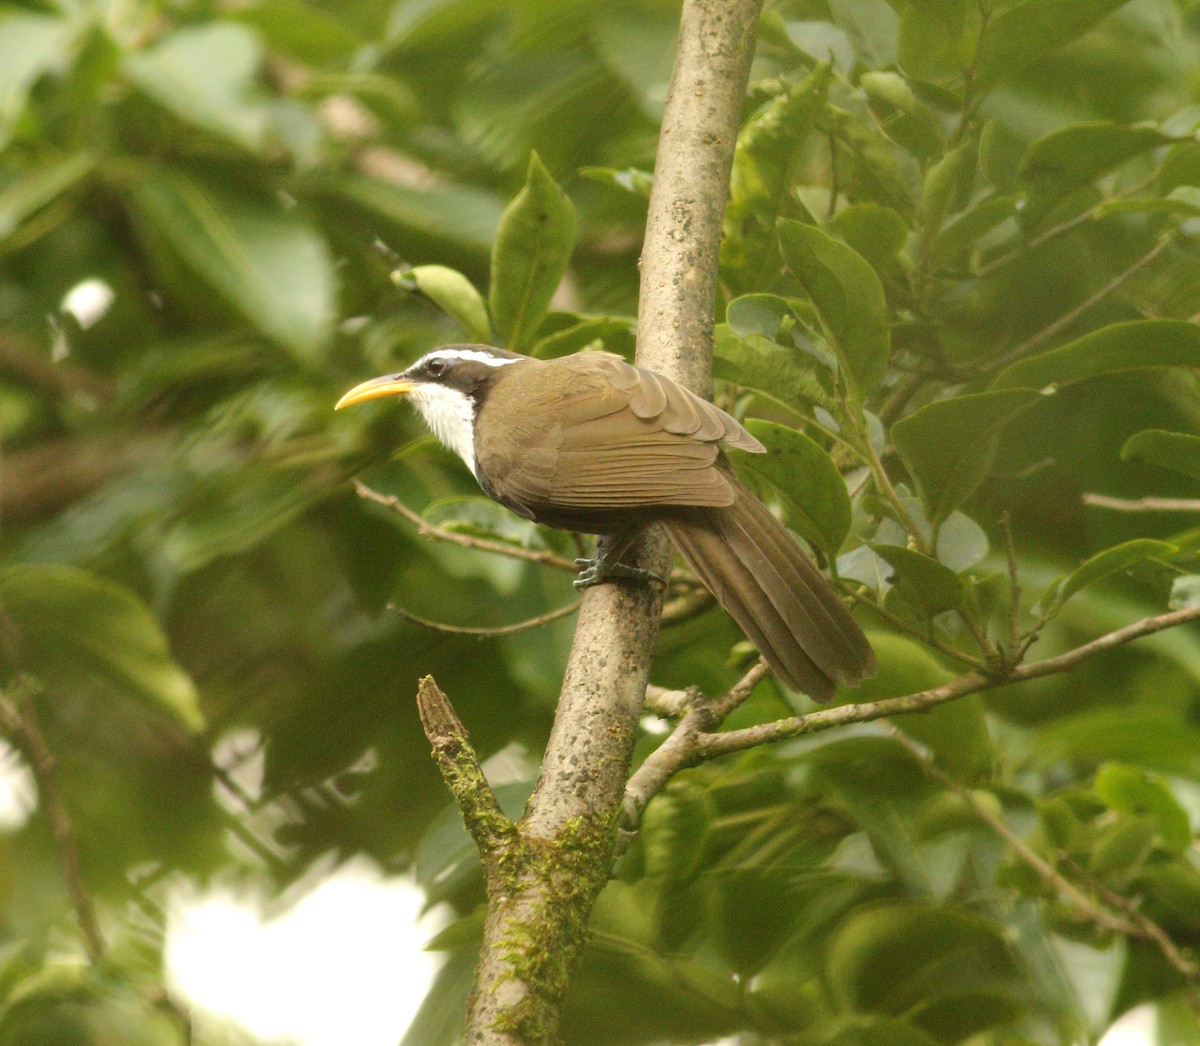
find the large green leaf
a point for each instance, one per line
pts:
(955, 733)
(530, 257)
(36, 187)
(1133, 791)
(935, 40)
(813, 492)
(1023, 32)
(1177, 451)
(1105, 564)
(31, 45)
(768, 149)
(848, 296)
(759, 363)
(448, 215)
(266, 261)
(949, 445)
(208, 76)
(70, 624)
(1118, 347)
(926, 585)
(950, 972)
(1075, 155)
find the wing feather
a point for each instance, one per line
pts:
(620, 436)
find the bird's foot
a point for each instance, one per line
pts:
(599, 570)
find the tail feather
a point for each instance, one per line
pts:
(759, 573)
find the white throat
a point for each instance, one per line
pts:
(450, 415)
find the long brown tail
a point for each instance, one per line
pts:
(774, 591)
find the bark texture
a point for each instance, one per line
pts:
(542, 886)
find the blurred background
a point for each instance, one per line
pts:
(200, 207)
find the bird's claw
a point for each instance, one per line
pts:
(597, 571)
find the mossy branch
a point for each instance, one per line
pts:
(485, 822)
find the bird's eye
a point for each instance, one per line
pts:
(438, 366)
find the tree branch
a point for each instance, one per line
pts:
(693, 740)
(534, 931)
(19, 720)
(485, 822)
(1142, 504)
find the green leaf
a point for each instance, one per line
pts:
(1177, 451)
(208, 76)
(577, 336)
(878, 233)
(631, 180)
(925, 584)
(308, 31)
(948, 446)
(637, 44)
(38, 186)
(530, 257)
(1132, 790)
(868, 1031)
(871, 26)
(948, 971)
(765, 163)
(770, 369)
(814, 497)
(1025, 31)
(956, 733)
(942, 184)
(1073, 156)
(965, 229)
(935, 40)
(849, 298)
(1102, 565)
(265, 261)
(31, 45)
(71, 624)
(428, 218)
(453, 293)
(1118, 347)
(674, 830)
(1153, 738)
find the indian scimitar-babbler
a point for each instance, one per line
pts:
(589, 443)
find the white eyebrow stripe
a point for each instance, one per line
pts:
(486, 358)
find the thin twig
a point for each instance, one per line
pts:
(1147, 928)
(430, 530)
(1014, 586)
(484, 631)
(700, 715)
(1063, 227)
(713, 745)
(18, 718)
(1084, 904)
(928, 638)
(1069, 317)
(1142, 504)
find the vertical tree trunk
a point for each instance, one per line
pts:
(543, 877)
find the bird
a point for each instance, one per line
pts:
(590, 443)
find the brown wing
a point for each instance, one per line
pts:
(608, 435)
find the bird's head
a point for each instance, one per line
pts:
(447, 386)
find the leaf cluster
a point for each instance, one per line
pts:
(957, 287)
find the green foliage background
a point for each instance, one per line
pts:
(961, 236)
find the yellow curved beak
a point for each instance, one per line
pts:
(375, 389)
